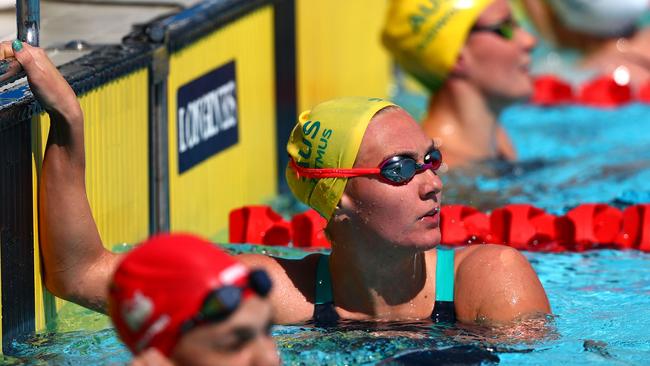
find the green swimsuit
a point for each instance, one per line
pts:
(443, 311)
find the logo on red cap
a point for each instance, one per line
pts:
(136, 311)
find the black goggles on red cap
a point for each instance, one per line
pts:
(220, 303)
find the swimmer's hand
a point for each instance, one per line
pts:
(151, 357)
(46, 82)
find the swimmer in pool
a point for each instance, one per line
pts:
(604, 32)
(175, 299)
(366, 166)
(473, 59)
(179, 299)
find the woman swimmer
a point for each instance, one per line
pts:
(383, 221)
(473, 59)
(604, 32)
(158, 314)
(366, 166)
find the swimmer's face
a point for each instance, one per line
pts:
(406, 215)
(242, 339)
(498, 66)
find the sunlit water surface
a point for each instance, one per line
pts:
(601, 302)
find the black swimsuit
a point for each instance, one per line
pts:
(443, 311)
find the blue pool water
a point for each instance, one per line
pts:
(601, 302)
(600, 299)
(567, 156)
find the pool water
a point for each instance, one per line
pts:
(601, 302)
(600, 299)
(567, 155)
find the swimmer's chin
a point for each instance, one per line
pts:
(425, 240)
(414, 248)
(426, 245)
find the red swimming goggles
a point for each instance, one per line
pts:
(396, 170)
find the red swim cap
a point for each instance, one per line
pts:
(162, 283)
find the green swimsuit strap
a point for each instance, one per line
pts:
(445, 275)
(324, 312)
(323, 281)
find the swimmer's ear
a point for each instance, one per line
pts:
(345, 203)
(460, 67)
(343, 209)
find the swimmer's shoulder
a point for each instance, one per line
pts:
(479, 252)
(496, 283)
(293, 284)
(477, 260)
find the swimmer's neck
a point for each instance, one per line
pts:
(464, 119)
(377, 285)
(466, 102)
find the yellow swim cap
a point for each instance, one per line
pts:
(329, 136)
(426, 36)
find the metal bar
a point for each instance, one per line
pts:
(158, 146)
(28, 18)
(286, 89)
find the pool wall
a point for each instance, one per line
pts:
(185, 120)
(112, 84)
(339, 50)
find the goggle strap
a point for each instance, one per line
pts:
(331, 172)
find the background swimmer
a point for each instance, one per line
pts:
(604, 32)
(473, 59)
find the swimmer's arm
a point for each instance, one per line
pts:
(293, 284)
(76, 265)
(497, 284)
(505, 148)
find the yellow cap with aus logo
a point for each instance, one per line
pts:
(328, 136)
(426, 36)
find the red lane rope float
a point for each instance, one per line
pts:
(605, 92)
(549, 90)
(644, 93)
(526, 227)
(309, 230)
(521, 226)
(464, 224)
(258, 225)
